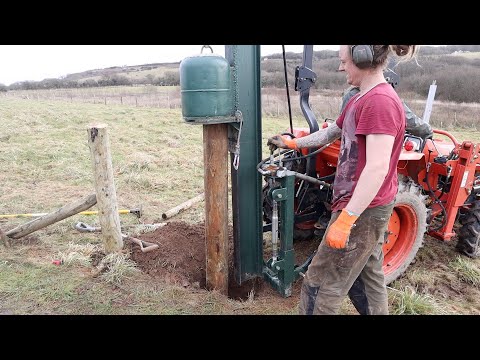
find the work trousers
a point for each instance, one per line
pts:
(332, 271)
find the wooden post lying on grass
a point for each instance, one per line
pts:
(183, 206)
(60, 214)
(105, 188)
(215, 155)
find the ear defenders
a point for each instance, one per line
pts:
(362, 55)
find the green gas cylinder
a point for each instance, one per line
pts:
(205, 83)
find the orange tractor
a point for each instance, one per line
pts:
(438, 195)
(439, 183)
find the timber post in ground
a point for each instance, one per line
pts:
(215, 152)
(105, 188)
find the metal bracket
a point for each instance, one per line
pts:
(304, 78)
(280, 194)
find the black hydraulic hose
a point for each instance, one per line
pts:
(286, 86)
(293, 158)
(289, 134)
(304, 156)
(308, 155)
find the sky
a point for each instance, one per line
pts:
(38, 62)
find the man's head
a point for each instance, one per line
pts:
(354, 74)
(359, 61)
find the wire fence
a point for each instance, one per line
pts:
(324, 103)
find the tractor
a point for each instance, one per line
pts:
(289, 193)
(438, 193)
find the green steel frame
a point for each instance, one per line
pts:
(249, 263)
(246, 181)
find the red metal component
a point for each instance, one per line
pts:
(461, 165)
(445, 170)
(447, 134)
(463, 176)
(393, 231)
(402, 234)
(409, 145)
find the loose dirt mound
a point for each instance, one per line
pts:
(181, 259)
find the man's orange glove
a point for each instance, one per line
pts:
(282, 142)
(339, 231)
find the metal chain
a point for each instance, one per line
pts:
(236, 158)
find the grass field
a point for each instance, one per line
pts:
(158, 163)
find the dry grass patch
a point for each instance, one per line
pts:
(466, 270)
(78, 254)
(116, 267)
(408, 301)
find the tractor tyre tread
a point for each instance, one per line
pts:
(468, 242)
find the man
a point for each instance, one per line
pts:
(371, 127)
(414, 126)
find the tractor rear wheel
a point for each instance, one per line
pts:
(469, 234)
(406, 230)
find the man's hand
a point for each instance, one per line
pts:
(282, 142)
(339, 231)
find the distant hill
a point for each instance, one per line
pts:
(454, 67)
(135, 73)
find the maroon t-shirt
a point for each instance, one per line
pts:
(379, 111)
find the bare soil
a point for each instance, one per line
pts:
(181, 258)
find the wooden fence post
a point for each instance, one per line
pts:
(51, 218)
(105, 187)
(215, 156)
(183, 206)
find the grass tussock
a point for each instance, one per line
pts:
(77, 254)
(408, 301)
(466, 270)
(116, 268)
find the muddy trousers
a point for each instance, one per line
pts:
(332, 272)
